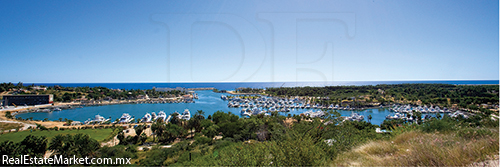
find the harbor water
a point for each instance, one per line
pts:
(208, 101)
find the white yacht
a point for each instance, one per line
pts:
(395, 116)
(355, 117)
(97, 119)
(313, 114)
(246, 112)
(126, 118)
(161, 115)
(186, 115)
(256, 111)
(146, 118)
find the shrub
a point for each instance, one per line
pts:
(437, 125)
(202, 140)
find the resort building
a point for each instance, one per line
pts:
(20, 100)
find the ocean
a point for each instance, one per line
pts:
(234, 85)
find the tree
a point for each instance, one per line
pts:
(438, 116)
(211, 131)
(138, 133)
(33, 146)
(143, 137)
(9, 148)
(8, 115)
(139, 129)
(370, 118)
(199, 114)
(121, 137)
(158, 129)
(172, 131)
(19, 85)
(69, 121)
(79, 145)
(175, 119)
(418, 116)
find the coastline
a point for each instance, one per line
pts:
(233, 93)
(51, 124)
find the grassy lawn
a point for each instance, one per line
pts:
(9, 126)
(98, 134)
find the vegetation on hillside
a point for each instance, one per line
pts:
(226, 139)
(436, 94)
(67, 94)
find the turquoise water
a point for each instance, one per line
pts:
(208, 101)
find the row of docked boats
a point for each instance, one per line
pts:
(277, 104)
(354, 117)
(423, 109)
(127, 118)
(153, 117)
(97, 120)
(409, 116)
(314, 114)
(257, 111)
(253, 111)
(47, 109)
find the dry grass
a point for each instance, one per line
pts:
(422, 149)
(9, 126)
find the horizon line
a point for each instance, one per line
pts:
(253, 81)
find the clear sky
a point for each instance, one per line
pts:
(248, 41)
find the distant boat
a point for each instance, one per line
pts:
(126, 118)
(146, 118)
(313, 114)
(186, 115)
(97, 119)
(355, 117)
(395, 116)
(223, 97)
(256, 111)
(161, 115)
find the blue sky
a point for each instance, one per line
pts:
(248, 41)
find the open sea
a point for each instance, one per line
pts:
(208, 101)
(234, 85)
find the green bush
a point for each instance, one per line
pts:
(433, 125)
(202, 140)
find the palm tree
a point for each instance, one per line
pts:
(370, 118)
(174, 119)
(199, 114)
